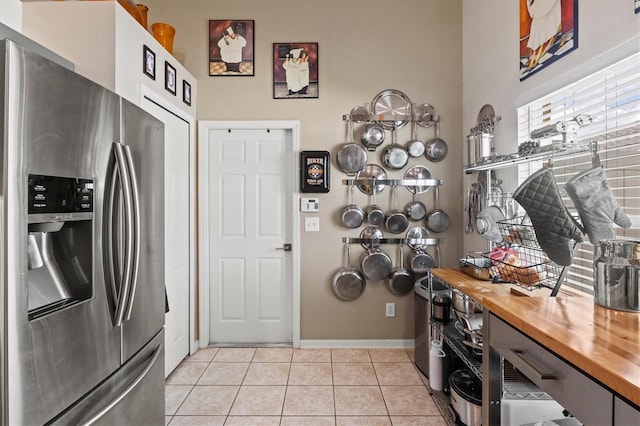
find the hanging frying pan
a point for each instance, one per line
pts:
(395, 156)
(437, 220)
(351, 157)
(375, 215)
(352, 215)
(436, 149)
(401, 280)
(372, 135)
(348, 283)
(396, 221)
(415, 147)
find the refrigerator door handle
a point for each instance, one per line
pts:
(135, 213)
(127, 391)
(122, 167)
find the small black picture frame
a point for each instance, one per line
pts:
(149, 62)
(186, 92)
(169, 78)
(314, 171)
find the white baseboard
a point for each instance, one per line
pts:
(358, 344)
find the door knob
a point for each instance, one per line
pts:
(285, 247)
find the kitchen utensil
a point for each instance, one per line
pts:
(375, 215)
(417, 233)
(437, 220)
(420, 261)
(436, 356)
(372, 135)
(415, 210)
(418, 172)
(352, 215)
(351, 157)
(376, 264)
(368, 177)
(423, 114)
(479, 268)
(436, 149)
(394, 155)
(415, 147)
(396, 221)
(487, 223)
(441, 309)
(400, 281)
(617, 275)
(466, 397)
(371, 234)
(389, 103)
(472, 147)
(465, 305)
(348, 283)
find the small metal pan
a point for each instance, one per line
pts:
(437, 220)
(436, 149)
(401, 280)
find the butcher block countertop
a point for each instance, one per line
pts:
(604, 343)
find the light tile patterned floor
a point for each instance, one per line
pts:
(299, 387)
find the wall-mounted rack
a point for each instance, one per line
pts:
(394, 182)
(407, 241)
(426, 119)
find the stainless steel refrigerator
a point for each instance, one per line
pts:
(82, 250)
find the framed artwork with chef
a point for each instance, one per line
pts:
(548, 31)
(231, 48)
(314, 171)
(295, 70)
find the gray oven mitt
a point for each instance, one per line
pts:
(596, 206)
(553, 224)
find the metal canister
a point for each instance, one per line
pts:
(617, 275)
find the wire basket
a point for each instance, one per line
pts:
(518, 230)
(527, 267)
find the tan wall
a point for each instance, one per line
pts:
(364, 47)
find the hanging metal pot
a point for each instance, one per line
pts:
(395, 156)
(367, 178)
(376, 264)
(401, 280)
(351, 157)
(437, 220)
(415, 147)
(371, 236)
(420, 261)
(372, 135)
(375, 214)
(396, 221)
(352, 215)
(348, 283)
(415, 210)
(436, 149)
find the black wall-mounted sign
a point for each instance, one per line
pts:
(314, 171)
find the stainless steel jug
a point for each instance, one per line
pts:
(617, 275)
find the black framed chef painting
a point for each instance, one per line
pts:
(295, 70)
(548, 31)
(231, 48)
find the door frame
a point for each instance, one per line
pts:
(204, 126)
(150, 94)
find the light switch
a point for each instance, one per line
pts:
(309, 205)
(312, 224)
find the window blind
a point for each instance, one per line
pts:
(611, 97)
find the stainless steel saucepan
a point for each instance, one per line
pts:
(401, 280)
(437, 220)
(415, 147)
(372, 135)
(436, 149)
(396, 221)
(395, 156)
(352, 214)
(376, 264)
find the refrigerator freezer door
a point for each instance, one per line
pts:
(56, 124)
(143, 136)
(134, 395)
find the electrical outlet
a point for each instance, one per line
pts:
(390, 309)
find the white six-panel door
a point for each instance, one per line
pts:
(248, 186)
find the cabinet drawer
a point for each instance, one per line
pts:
(588, 401)
(624, 413)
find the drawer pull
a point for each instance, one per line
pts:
(530, 366)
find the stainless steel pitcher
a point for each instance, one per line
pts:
(617, 275)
